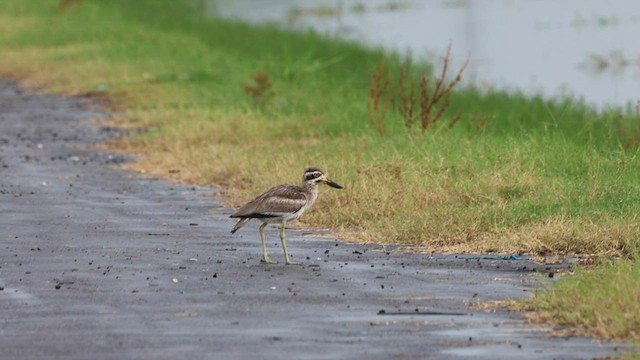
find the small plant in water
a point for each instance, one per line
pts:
(261, 90)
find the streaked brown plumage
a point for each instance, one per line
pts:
(282, 204)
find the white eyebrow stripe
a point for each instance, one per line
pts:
(315, 173)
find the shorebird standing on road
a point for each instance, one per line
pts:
(282, 204)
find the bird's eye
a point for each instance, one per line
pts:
(313, 175)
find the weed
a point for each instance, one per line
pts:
(478, 123)
(407, 101)
(379, 98)
(418, 100)
(434, 104)
(261, 90)
(628, 130)
(64, 5)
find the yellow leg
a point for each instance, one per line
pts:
(284, 247)
(265, 256)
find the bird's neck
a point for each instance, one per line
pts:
(311, 188)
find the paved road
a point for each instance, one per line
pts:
(99, 263)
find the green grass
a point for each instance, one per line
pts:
(600, 301)
(516, 174)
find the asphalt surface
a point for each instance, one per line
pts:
(100, 263)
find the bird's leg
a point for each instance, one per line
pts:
(284, 247)
(265, 256)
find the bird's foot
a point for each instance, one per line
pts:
(288, 262)
(268, 261)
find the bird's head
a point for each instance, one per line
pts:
(315, 176)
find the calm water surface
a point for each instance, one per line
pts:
(586, 49)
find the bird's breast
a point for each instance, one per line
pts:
(313, 195)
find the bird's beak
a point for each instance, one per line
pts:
(332, 184)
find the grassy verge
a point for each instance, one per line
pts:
(513, 175)
(600, 301)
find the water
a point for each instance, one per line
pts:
(585, 49)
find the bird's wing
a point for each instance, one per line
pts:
(274, 202)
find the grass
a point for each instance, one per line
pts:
(222, 102)
(599, 301)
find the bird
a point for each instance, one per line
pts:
(282, 204)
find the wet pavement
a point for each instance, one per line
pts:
(101, 263)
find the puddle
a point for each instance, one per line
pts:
(476, 351)
(20, 296)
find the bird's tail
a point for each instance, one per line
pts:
(239, 224)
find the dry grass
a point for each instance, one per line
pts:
(388, 197)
